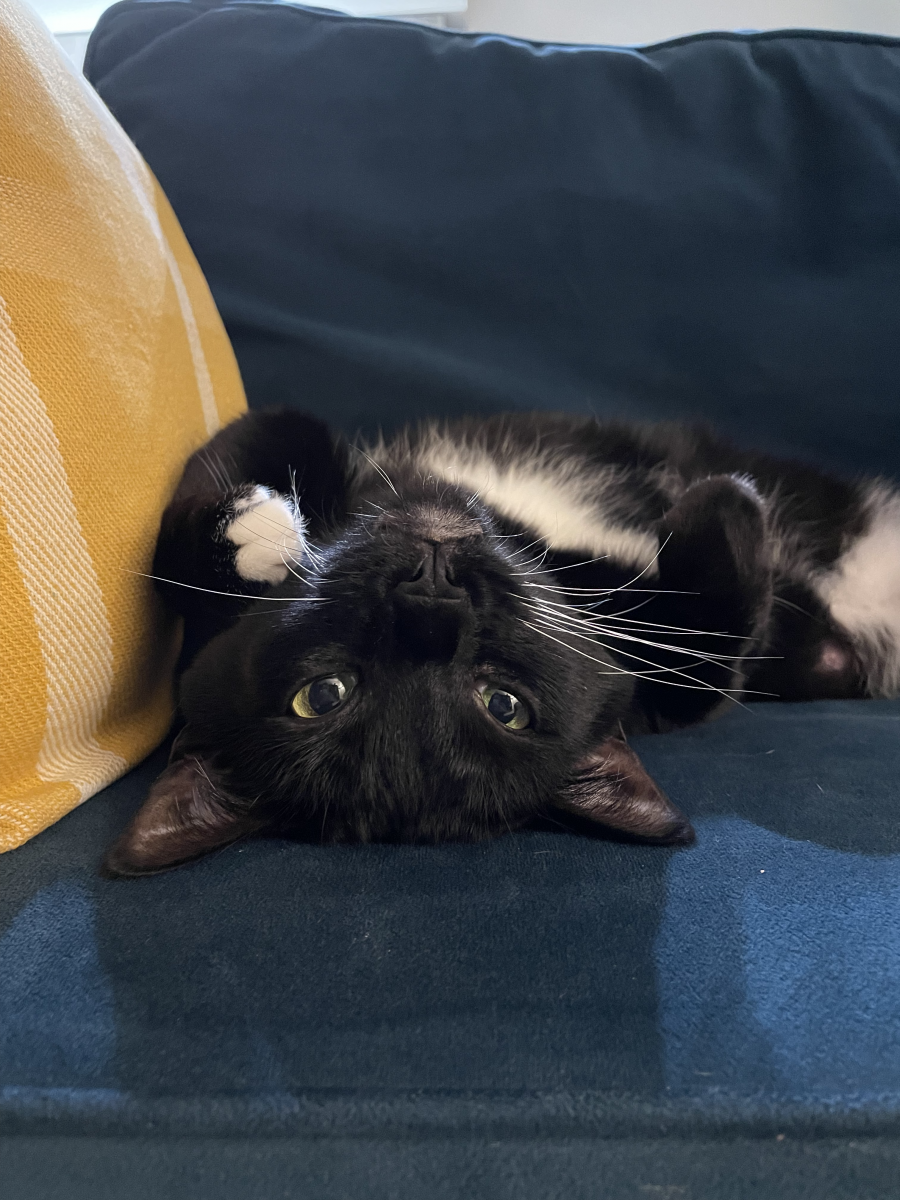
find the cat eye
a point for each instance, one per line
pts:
(322, 696)
(504, 707)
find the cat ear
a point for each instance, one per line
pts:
(612, 788)
(183, 817)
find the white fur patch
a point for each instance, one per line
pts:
(747, 484)
(546, 497)
(269, 534)
(863, 592)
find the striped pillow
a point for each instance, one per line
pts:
(114, 366)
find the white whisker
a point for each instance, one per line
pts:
(381, 472)
(573, 613)
(231, 595)
(696, 686)
(653, 675)
(607, 592)
(718, 660)
(709, 656)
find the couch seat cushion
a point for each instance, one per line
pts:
(539, 982)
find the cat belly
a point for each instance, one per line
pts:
(862, 592)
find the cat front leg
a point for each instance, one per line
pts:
(243, 510)
(218, 550)
(269, 535)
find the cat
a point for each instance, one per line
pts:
(453, 632)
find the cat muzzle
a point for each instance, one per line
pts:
(431, 607)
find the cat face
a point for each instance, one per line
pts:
(396, 689)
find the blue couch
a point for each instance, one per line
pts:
(397, 221)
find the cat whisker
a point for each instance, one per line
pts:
(577, 625)
(295, 574)
(232, 595)
(620, 635)
(312, 553)
(281, 544)
(271, 520)
(655, 672)
(570, 611)
(607, 592)
(600, 558)
(720, 660)
(650, 564)
(264, 612)
(625, 611)
(570, 566)
(216, 469)
(693, 659)
(522, 549)
(727, 693)
(790, 604)
(281, 547)
(384, 475)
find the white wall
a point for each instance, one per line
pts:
(632, 22)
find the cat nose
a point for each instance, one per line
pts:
(431, 609)
(433, 578)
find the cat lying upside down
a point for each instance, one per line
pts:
(451, 633)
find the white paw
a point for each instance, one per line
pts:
(269, 535)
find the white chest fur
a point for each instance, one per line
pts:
(545, 495)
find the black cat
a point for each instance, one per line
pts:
(451, 633)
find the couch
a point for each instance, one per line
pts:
(397, 221)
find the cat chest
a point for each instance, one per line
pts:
(572, 510)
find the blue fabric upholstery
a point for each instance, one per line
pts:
(395, 221)
(541, 990)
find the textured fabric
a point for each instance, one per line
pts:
(113, 367)
(397, 221)
(456, 1168)
(539, 990)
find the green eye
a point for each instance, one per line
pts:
(323, 695)
(505, 707)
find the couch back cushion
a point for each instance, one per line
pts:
(113, 367)
(397, 220)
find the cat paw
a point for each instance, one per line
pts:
(268, 534)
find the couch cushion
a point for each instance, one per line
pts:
(113, 367)
(398, 221)
(538, 985)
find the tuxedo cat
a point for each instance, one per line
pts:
(451, 633)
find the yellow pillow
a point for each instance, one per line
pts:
(114, 366)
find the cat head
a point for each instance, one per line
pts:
(397, 688)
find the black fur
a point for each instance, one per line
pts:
(422, 588)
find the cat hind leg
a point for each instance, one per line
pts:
(714, 598)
